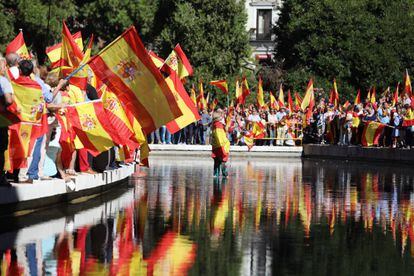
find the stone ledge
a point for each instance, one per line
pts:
(359, 153)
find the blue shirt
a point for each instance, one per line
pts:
(46, 91)
(5, 86)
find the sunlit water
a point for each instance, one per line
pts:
(271, 216)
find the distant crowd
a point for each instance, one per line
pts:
(327, 123)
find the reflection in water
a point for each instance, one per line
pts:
(269, 216)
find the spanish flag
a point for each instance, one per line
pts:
(395, 96)
(281, 99)
(248, 138)
(18, 46)
(213, 104)
(373, 95)
(221, 84)
(273, 102)
(260, 94)
(188, 109)
(220, 144)
(239, 93)
(29, 99)
(80, 79)
(201, 101)
(158, 62)
(334, 97)
(193, 95)
(127, 69)
(298, 100)
(258, 130)
(371, 133)
(358, 98)
(119, 120)
(179, 62)
(141, 137)
(55, 52)
(407, 84)
(21, 141)
(409, 118)
(290, 102)
(309, 99)
(245, 89)
(92, 126)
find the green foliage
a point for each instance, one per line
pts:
(32, 17)
(361, 43)
(212, 33)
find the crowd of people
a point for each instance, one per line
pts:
(326, 123)
(48, 158)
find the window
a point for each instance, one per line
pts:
(264, 25)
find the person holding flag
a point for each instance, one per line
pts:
(6, 99)
(220, 144)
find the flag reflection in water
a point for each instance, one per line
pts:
(268, 216)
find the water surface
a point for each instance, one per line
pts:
(271, 216)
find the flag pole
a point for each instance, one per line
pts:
(75, 71)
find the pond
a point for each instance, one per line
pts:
(270, 216)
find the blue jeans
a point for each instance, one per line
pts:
(33, 171)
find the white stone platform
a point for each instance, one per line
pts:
(239, 151)
(20, 193)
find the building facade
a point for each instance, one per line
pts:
(262, 16)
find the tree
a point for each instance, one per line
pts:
(361, 43)
(212, 33)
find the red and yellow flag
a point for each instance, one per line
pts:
(21, 141)
(298, 100)
(220, 144)
(187, 106)
(245, 89)
(221, 84)
(193, 95)
(260, 94)
(373, 95)
(213, 104)
(358, 98)
(273, 102)
(409, 118)
(201, 101)
(290, 102)
(395, 96)
(54, 52)
(281, 98)
(18, 46)
(179, 62)
(334, 97)
(258, 130)
(239, 93)
(309, 99)
(92, 126)
(118, 118)
(158, 62)
(29, 99)
(188, 109)
(371, 133)
(80, 79)
(127, 69)
(407, 84)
